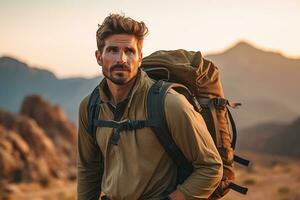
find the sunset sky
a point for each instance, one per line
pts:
(59, 35)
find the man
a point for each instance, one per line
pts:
(138, 166)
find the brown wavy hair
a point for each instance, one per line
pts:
(119, 24)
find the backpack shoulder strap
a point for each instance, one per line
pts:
(156, 112)
(93, 109)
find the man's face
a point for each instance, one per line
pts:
(120, 58)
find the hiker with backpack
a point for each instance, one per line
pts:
(124, 151)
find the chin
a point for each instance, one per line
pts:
(120, 81)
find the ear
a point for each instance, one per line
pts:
(140, 58)
(98, 57)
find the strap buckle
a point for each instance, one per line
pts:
(219, 101)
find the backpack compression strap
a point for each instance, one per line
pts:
(156, 112)
(212, 104)
(236, 158)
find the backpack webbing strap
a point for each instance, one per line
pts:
(156, 112)
(236, 158)
(212, 104)
(93, 111)
(233, 128)
(238, 188)
(122, 126)
(241, 160)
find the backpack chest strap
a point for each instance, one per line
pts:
(123, 126)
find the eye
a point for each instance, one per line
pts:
(130, 51)
(112, 49)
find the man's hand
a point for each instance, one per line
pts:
(177, 195)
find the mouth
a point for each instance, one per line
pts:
(120, 69)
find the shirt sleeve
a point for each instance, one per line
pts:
(190, 133)
(88, 160)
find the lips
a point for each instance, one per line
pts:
(120, 69)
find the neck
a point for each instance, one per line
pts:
(119, 92)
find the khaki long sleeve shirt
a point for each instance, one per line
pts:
(138, 167)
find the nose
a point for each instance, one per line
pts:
(122, 57)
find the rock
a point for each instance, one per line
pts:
(12, 188)
(37, 145)
(8, 164)
(18, 143)
(53, 120)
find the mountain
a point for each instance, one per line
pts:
(266, 83)
(18, 80)
(272, 138)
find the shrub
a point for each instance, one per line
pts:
(283, 190)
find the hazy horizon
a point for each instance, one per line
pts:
(60, 36)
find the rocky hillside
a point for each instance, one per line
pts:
(36, 145)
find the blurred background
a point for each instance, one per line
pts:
(47, 66)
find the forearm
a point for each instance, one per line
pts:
(189, 131)
(208, 169)
(202, 182)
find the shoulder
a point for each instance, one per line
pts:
(178, 108)
(175, 101)
(84, 103)
(83, 109)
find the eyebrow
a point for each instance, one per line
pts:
(116, 47)
(130, 48)
(112, 47)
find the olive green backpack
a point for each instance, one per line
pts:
(198, 79)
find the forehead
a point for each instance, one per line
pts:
(121, 40)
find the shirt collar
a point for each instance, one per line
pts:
(105, 93)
